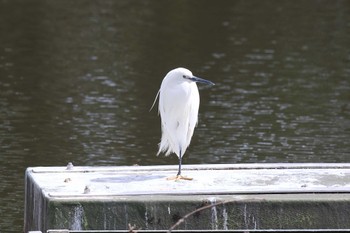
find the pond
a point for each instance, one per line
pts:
(77, 80)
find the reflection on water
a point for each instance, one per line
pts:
(77, 79)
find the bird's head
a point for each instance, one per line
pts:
(180, 75)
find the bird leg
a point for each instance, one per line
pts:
(179, 176)
(180, 162)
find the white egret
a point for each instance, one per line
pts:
(178, 108)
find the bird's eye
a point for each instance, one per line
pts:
(184, 76)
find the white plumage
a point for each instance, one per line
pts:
(178, 108)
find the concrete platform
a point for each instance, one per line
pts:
(246, 196)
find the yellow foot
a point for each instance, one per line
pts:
(179, 177)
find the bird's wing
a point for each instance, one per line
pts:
(174, 110)
(168, 105)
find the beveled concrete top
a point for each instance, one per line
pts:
(75, 181)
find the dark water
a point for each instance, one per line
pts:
(77, 79)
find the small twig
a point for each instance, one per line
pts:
(181, 220)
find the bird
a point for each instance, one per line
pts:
(178, 108)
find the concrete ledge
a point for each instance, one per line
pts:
(248, 196)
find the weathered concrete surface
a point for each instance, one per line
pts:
(253, 196)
